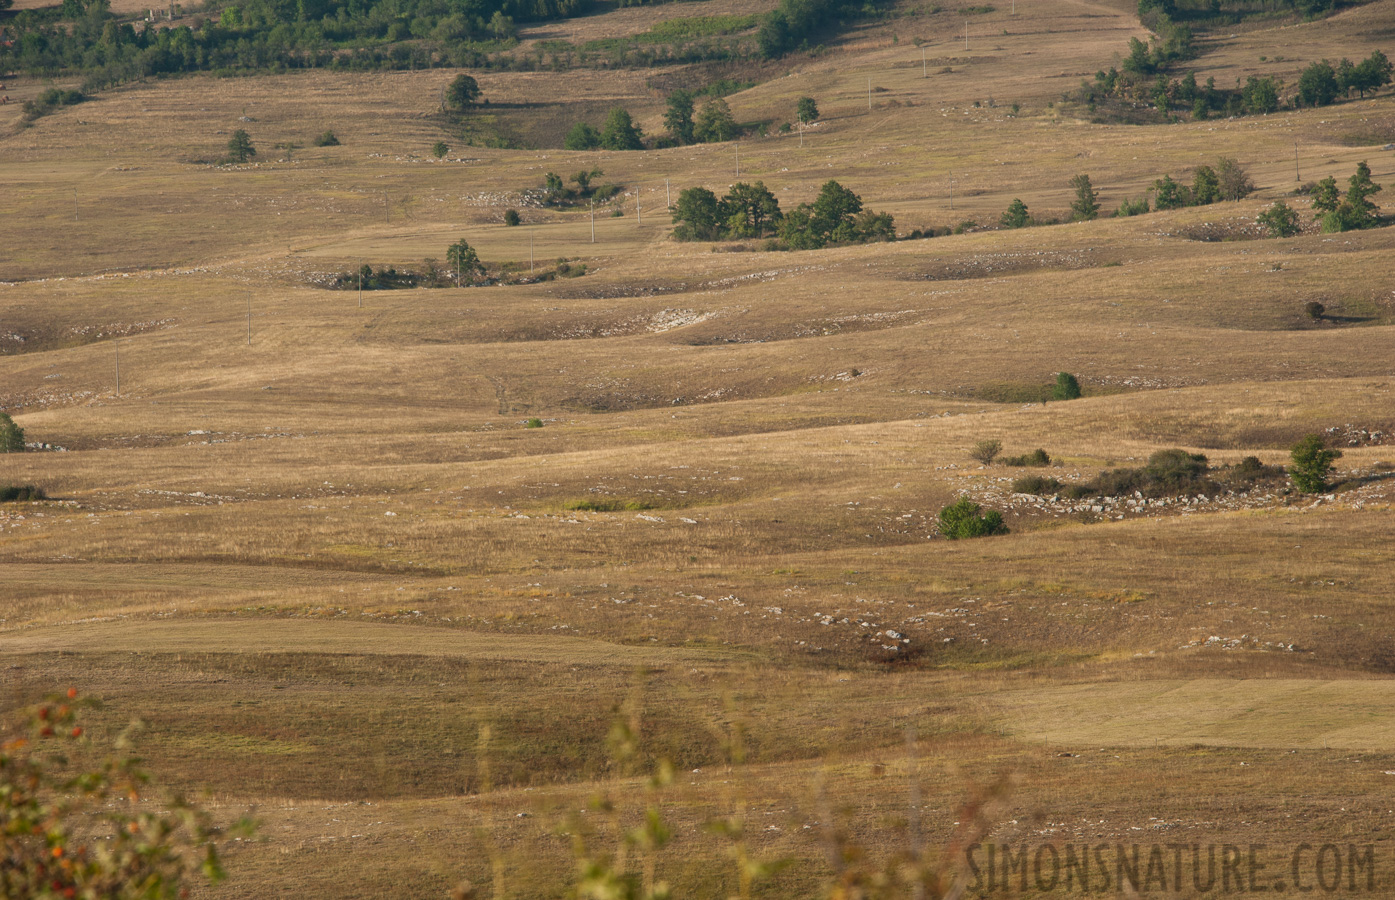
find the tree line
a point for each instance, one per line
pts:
(835, 216)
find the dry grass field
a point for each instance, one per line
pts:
(316, 551)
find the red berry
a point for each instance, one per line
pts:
(77, 732)
(43, 713)
(72, 693)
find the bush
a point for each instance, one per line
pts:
(511, 218)
(613, 505)
(1036, 459)
(986, 451)
(1281, 220)
(440, 149)
(1314, 310)
(1312, 462)
(534, 422)
(327, 139)
(1066, 387)
(11, 435)
(15, 492)
(1035, 484)
(1175, 469)
(964, 520)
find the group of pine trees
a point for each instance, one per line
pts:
(1321, 83)
(836, 216)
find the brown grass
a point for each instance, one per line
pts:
(319, 564)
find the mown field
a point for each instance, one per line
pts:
(312, 545)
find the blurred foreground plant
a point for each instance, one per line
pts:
(73, 826)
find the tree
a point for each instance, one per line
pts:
(511, 218)
(750, 210)
(462, 93)
(1206, 187)
(1359, 193)
(774, 36)
(461, 257)
(833, 211)
(986, 451)
(807, 110)
(553, 189)
(678, 118)
(620, 132)
(1261, 94)
(1235, 183)
(1016, 215)
(1086, 205)
(1067, 387)
(697, 216)
(1325, 196)
(1370, 74)
(328, 139)
(240, 147)
(582, 137)
(1170, 194)
(964, 520)
(1281, 220)
(1318, 86)
(715, 123)
(582, 180)
(1312, 462)
(439, 149)
(502, 26)
(11, 435)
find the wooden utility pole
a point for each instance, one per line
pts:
(738, 159)
(1296, 176)
(869, 95)
(924, 72)
(530, 249)
(668, 197)
(117, 347)
(593, 221)
(951, 190)
(966, 34)
(75, 205)
(249, 318)
(639, 208)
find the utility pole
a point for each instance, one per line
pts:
(530, 249)
(966, 34)
(360, 284)
(869, 95)
(1296, 176)
(668, 197)
(593, 221)
(75, 205)
(249, 318)
(639, 208)
(801, 134)
(117, 347)
(738, 159)
(951, 190)
(924, 72)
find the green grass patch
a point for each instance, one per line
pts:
(615, 504)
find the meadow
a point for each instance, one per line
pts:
(313, 546)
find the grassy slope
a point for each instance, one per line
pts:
(318, 564)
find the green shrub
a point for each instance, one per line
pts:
(1036, 459)
(1175, 469)
(439, 149)
(11, 435)
(328, 139)
(533, 423)
(1314, 310)
(511, 217)
(963, 519)
(986, 451)
(1066, 387)
(1035, 484)
(1312, 463)
(15, 492)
